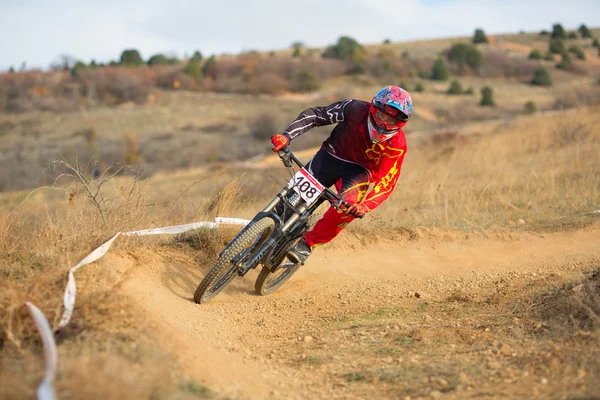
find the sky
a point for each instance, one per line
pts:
(38, 32)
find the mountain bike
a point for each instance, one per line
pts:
(265, 241)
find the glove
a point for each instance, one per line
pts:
(357, 210)
(279, 142)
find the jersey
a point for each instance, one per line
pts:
(350, 141)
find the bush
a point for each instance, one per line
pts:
(479, 37)
(158, 59)
(549, 56)
(535, 55)
(439, 71)
(305, 81)
(487, 97)
(405, 85)
(565, 62)
(193, 70)
(541, 77)
(263, 127)
(344, 49)
(455, 87)
(584, 31)
(463, 54)
(387, 41)
(558, 32)
(196, 57)
(544, 32)
(529, 108)
(596, 43)
(210, 67)
(470, 91)
(577, 51)
(77, 68)
(556, 46)
(131, 58)
(572, 35)
(419, 87)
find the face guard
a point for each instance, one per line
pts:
(390, 110)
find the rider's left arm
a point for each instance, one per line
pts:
(385, 184)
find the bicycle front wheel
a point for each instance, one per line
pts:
(224, 271)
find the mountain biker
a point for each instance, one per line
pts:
(366, 147)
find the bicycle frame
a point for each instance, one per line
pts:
(291, 228)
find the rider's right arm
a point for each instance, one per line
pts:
(317, 116)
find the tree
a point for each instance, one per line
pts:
(556, 46)
(193, 69)
(131, 58)
(487, 97)
(544, 32)
(77, 68)
(596, 43)
(158, 59)
(11, 70)
(387, 41)
(565, 62)
(463, 54)
(541, 77)
(305, 81)
(558, 32)
(572, 35)
(209, 68)
(344, 49)
(535, 55)
(196, 57)
(584, 31)
(479, 36)
(93, 63)
(577, 51)
(439, 71)
(455, 87)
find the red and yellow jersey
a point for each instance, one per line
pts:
(350, 141)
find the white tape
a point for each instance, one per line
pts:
(45, 390)
(71, 289)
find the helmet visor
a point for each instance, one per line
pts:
(388, 121)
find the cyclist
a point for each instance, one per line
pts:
(366, 147)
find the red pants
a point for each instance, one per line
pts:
(351, 180)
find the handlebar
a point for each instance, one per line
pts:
(336, 201)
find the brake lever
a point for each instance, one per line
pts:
(286, 157)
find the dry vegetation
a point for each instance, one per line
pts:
(537, 173)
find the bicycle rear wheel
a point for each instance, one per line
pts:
(224, 271)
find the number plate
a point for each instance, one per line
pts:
(307, 186)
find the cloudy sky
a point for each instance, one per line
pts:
(38, 31)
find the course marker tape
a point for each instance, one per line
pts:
(46, 390)
(71, 289)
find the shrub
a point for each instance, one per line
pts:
(387, 41)
(549, 56)
(423, 74)
(535, 55)
(529, 108)
(439, 71)
(470, 91)
(297, 52)
(479, 36)
(463, 54)
(585, 32)
(263, 127)
(556, 46)
(196, 57)
(596, 43)
(131, 58)
(345, 49)
(305, 81)
(544, 32)
(487, 97)
(455, 87)
(210, 67)
(419, 87)
(541, 77)
(558, 32)
(193, 70)
(565, 62)
(577, 51)
(11, 70)
(405, 85)
(158, 59)
(77, 68)
(572, 35)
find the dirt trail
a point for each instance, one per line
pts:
(241, 345)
